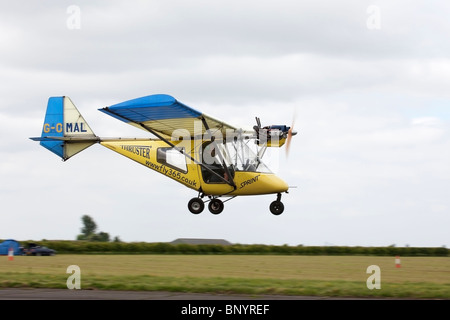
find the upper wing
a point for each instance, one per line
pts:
(164, 114)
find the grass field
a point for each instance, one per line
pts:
(418, 277)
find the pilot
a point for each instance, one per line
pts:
(209, 152)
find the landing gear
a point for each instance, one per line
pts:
(215, 206)
(277, 207)
(196, 205)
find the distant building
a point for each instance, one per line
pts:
(201, 241)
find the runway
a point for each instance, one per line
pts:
(66, 294)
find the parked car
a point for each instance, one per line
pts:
(34, 250)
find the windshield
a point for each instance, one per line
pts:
(237, 154)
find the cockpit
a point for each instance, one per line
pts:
(227, 158)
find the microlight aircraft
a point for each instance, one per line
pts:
(202, 153)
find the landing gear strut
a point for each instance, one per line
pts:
(277, 207)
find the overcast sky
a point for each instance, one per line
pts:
(366, 81)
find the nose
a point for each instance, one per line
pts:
(274, 184)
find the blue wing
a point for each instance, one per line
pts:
(164, 114)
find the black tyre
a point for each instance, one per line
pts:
(277, 208)
(196, 205)
(215, 206)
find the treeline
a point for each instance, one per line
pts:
(89, 247)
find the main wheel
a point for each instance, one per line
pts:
(196, 205)
(215, 206)
(277, 207)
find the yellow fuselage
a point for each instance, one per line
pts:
(156, 155)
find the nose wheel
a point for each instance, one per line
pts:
(277, 207)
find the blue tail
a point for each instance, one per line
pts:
(65, 132)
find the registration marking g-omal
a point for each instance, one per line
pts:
(70, 127)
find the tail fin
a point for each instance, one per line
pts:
(65, 132)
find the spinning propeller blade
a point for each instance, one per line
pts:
(258, 122)
(291, 133)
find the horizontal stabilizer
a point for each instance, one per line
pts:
(74, 139)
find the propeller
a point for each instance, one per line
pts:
(258, 124)
(290, 133)
(264, 133)
(257, 129)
